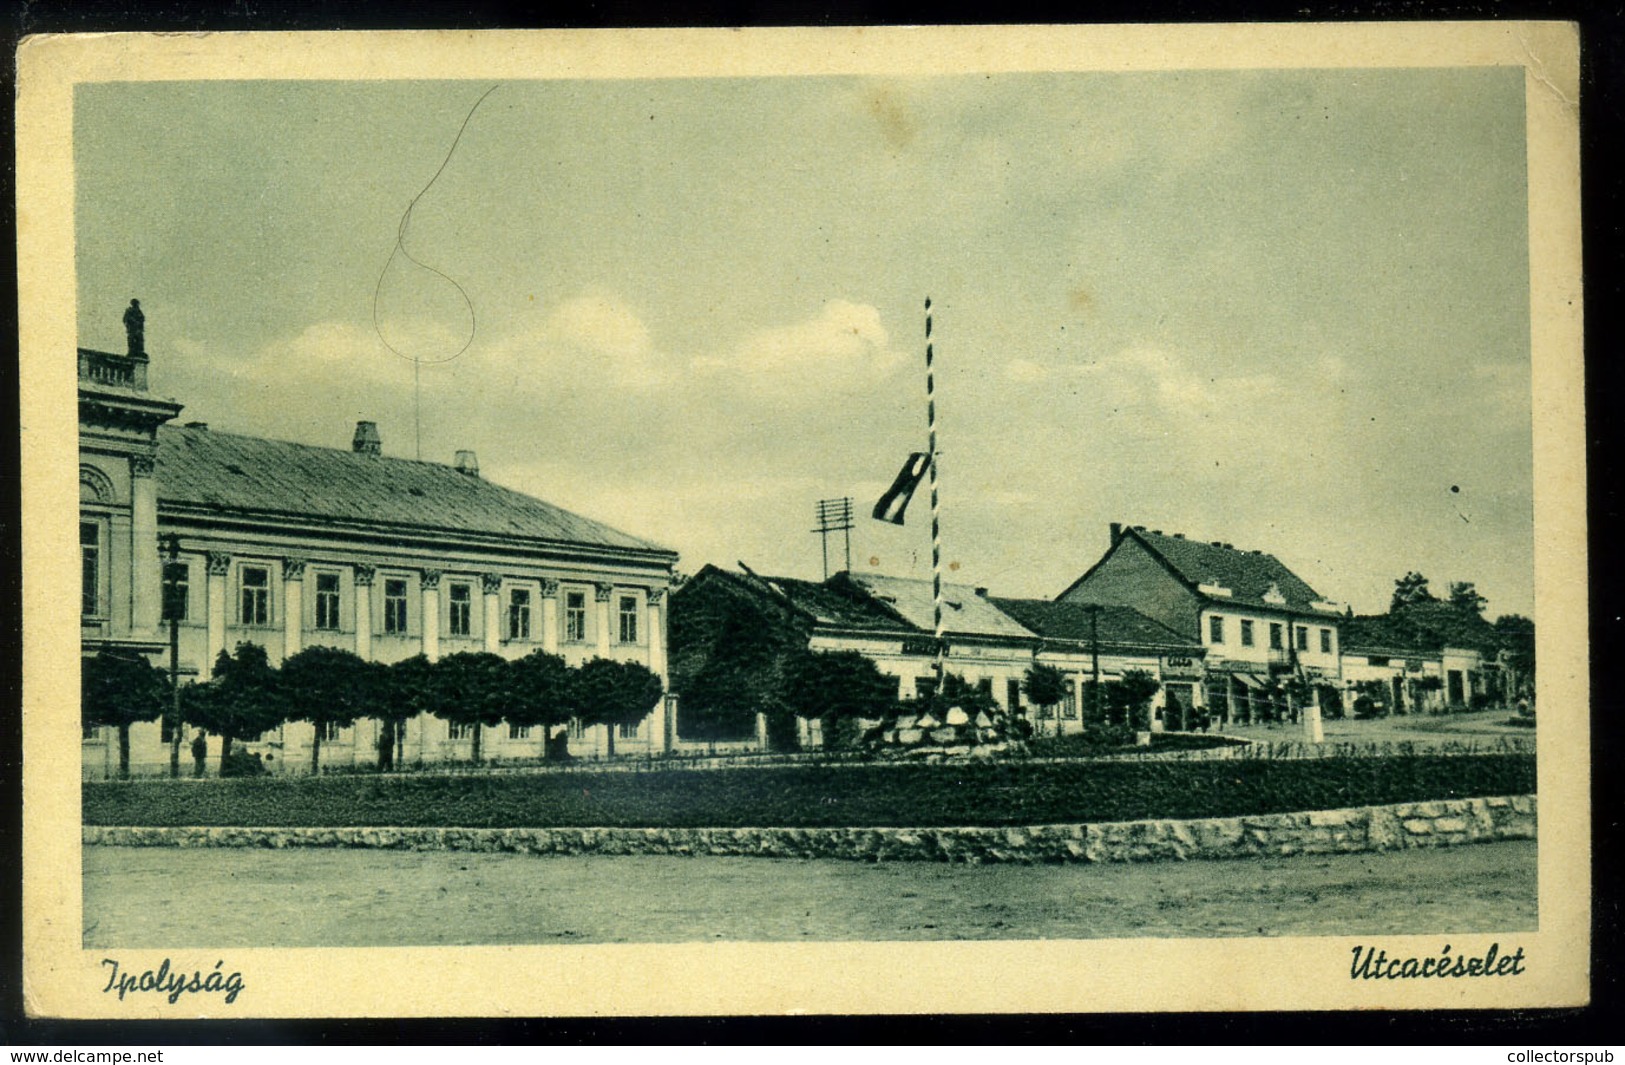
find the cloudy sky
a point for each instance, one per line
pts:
(1287, 310)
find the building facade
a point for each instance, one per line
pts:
(290, 546)
(991, 643)
(1258, 622)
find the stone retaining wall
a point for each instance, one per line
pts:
(1370, 828)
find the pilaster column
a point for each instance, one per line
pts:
(363, 611)
(661, 735)
(429, 581)
(601, 593)
(491, 585)
(549, 606)
(145, 569)
(293, 605)
(1077, 701)
(219, 567)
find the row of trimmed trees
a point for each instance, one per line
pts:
(329, 687)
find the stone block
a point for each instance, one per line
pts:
(910, 736)
(1418, 826)
(957, 716)
(944, 736)
(983, 721)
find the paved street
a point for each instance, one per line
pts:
(152, 897)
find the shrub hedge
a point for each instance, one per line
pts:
(807, 796)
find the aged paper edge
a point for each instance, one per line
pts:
(63, 980)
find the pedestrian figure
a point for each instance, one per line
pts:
(135, 328)
(200, 752)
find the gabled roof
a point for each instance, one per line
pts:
(1427, 627)
(1249, 575)
(1118, 626)
(963, 611)
(831, 603)
(208, 468)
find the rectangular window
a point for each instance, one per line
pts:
(256, 590)
(519, 614)
(1012, 694)
(327, 601)
(90, 558)
(177, 581)
(1215, 629)
(1376, 660)
(331, 731)
(1303, 637)
(628, 731)
(166, 729)
(1325, 641)
(395, 606)
(462, 610)
(1275, 636)
(575, 616)
(457, 730)
(629, 619)
(577, 729)
(1246, 633)
(519, 732)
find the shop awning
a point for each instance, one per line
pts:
(1247, 680)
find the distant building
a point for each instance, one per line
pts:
(291, 546)
(991, 642)
(1258, 621)
(1431, 656)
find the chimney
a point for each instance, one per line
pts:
(197, 425)
(982, 592)
(1229, 547)
(467, 463)
(1179, 536)
(1156, 532)
(366, 440)
(1117, 532)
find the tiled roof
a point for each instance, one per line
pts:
(1248, 574)
(205, 467)
(963, 610)
(832, 603)
(1118, 625)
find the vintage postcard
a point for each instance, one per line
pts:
(893, 520)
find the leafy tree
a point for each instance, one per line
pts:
(1464, 597)
(830, 685)
(957, 691)
(1129, 700)
(241, 701)
(541, 695)
(611, 693)
(1411, 588)
(405, 689)
(118, 691)
(328, 686)
(1517, 636)
(1045, 686)
(472, 688)
(721, 701)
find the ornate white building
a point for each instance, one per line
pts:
(291, 546)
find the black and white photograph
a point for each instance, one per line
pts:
(1069, 510)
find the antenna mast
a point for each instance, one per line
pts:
(834, 515)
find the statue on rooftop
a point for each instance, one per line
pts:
(135, 328)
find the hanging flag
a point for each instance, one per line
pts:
(895, 501)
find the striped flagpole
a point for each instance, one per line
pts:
(936, 528)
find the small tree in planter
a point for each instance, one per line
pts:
(472, 688)
(241, 702)
(834, 685)
(1045, 686)
(540, 693)
(611, 693)
(328, 686)
(118, 691)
